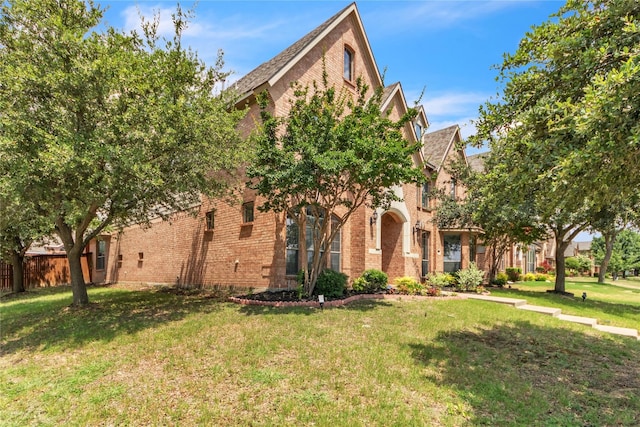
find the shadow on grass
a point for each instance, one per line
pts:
(43, 322)
(361, 305)
(523, 374)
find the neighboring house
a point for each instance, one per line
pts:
(235, 244)
(582, 249)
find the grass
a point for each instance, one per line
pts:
(151, 357)
(615, 304)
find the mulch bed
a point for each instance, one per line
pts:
(290, 299)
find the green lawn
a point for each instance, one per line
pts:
(616, 303)
(152, 357)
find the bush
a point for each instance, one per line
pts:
(359, 284)
(373, 281)
(331, 284)
(440, 280)
(513, 273)
(529, 277)
(540, 277)
(410, 286)
(500, 280)
(434, 291)
(470, 278)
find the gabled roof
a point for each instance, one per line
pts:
(476, 162)
(272, 70)
(437, 144)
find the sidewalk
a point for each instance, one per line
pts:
(556, 312)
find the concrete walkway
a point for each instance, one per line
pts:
(555, 312)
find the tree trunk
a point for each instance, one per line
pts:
(493, 269)
(561, 246)
(17, 262)
(608, 245)
(78, 287)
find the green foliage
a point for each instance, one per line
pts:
(541, 277)
(470, 278)
(117, 128)
(409, 286)
(529, 277)
(500, 279)
(513, 273)
(333, 151)
(626, 251)
(580, 263)
(563, 134)
(371, 281)
(440, 280)
(331, 283)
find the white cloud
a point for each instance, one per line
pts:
(453, 103)
(434, 15)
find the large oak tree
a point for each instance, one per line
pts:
(100, 127)
(564, 136)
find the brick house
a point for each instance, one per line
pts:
(235, 244)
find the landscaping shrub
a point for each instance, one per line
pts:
(470, 278)
(409, 286)
(375, 280)
(529, 277)
(440, 280)
(514, 273)
(359, 284)
(500, 279)
(331, 284)
(540, 277)
(434, 291)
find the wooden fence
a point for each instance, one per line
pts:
(43, 271)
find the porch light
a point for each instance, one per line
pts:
(374, 218)
(418, 226)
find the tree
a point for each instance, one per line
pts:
(625, 254)
(610, 221)
(332, 154)
(543, 136)
(488, 207)
(104, 128)
(19, 228)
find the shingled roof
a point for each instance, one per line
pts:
(436, 145)
(265, 71)
(476, 162)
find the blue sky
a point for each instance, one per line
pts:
(447, 48)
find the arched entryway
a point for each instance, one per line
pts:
(391, 229)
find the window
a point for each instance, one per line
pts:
(247, 212)
(424, 245)
(531, 260)
(101, 252)
(293, 240)
(452, 253)
(418, 128)
(453, 189)
(472, 248)
(348, 64)
(209, 220)
(293, 244)
(334, 261)
(425, 196)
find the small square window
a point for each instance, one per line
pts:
(210, 220)
(247, 212)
